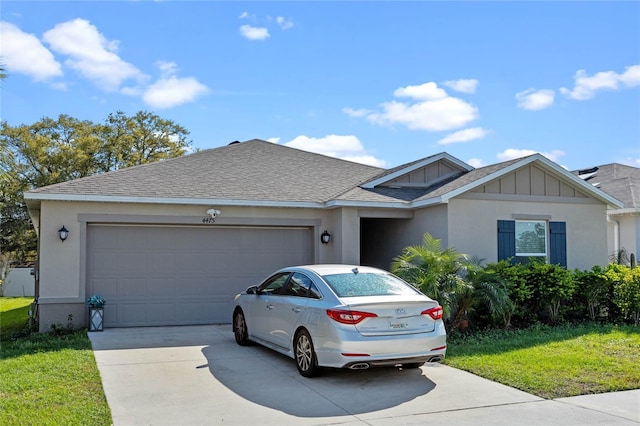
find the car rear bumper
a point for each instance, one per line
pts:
(351, 349)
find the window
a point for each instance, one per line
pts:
(531, 239)
(519, 240)
(274, 284)
(298, 285)
(368, 284)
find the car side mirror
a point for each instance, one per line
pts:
(252, 290)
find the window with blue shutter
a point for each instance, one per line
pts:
(558, 243)
(507, 240)
(522, 240)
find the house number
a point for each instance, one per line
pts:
(208, 220)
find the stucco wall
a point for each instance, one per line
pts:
(62, 263)
(628, 234)
(473, 227)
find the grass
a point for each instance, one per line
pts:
(14, 313)
(47, 379)
(553, 362)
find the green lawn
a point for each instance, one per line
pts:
(554, 362)
(47, 379)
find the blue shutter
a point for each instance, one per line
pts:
(507, 240)
(558, 243)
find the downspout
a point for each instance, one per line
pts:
(616, 234)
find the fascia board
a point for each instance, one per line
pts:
(367, 204)
(184, 201)
(416, 166)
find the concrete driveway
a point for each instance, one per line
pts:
(197, 375)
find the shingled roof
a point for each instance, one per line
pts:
(618, 180)
(257, 172)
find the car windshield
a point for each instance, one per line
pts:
(368, 284)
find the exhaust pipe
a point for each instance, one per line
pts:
(436, 358)
(359, 366)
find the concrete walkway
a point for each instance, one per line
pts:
(197, 375)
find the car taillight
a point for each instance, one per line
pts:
(435, 313)
(348, 316)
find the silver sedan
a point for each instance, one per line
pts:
(341, 316)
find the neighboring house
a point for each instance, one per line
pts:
(623, 183)
(172, 242)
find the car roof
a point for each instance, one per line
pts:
(330, 269)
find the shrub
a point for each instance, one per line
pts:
(626, 289)
(550, 286)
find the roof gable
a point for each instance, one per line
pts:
(421, 173)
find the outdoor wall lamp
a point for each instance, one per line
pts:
(325, 237)
(63, 233)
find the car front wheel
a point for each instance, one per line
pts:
(306, 360)
(240, 328)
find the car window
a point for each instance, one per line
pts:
(274, 284)
(314, 293)
(368, 284)
(298, 285)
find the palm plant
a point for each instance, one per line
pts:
(457, 281)
(436, 271)
(482, 287)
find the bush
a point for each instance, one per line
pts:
(626, 289)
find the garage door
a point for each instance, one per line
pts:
(175, 275)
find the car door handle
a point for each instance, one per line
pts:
(269, 307)
(296, 310)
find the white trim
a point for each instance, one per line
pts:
(624, 212)
(416, 166)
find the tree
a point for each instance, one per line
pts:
(53, 151)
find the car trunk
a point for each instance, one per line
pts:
(393, 317)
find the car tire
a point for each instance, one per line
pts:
(305, 355)
(240, 328)
(413, 365)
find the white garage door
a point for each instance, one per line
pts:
(175, 275)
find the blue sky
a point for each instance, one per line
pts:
(382, 83)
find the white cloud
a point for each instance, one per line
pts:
(254, 33)
(244, 15)
(24, 54)
(430, 108)
(356, 112)
(465, 135)
(285, 24)
(463, 85)
(426, 91)
(512, 153)
(343, 147)
(475, 162)
(167, 68)
(91, 54)
(273, 140)
(586, 86)
(534, 100)
(173, 91)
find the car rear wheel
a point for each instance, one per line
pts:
(240, 328)
(306, 360)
